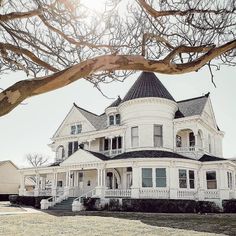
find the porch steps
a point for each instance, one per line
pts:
(65, 205)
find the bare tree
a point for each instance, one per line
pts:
(36, 159)
(56, 42)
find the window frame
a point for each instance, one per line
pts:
(207, 181)
(151, 177)
(230, 179)
(156, 178)
(76, 128)
(134, 137)
(157, 136)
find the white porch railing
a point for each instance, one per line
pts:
(126, 193)
(211, 194)
(112, 152)
(52, 201)
(154, 193)
(29, 193)
(189, 149)
(186, 194)
(45, 192)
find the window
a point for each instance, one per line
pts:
(72, 129)
(178, 141)
(81, 175)
(134, 136)
(117, 143)
(107, 144)
(191, 179)
(230, 180)
(111, 120)
(146, 177)
(117, 119)
(72, 147)
(209, 143)
(158, 138)
(60, 152)
(79, 129)
(191, 139)
(59, 183)
(182, 178)
(161, 177)
(211, 180)
(76, 129)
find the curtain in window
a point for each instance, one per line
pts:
(182, 178)
(211, 180)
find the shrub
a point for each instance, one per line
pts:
(27, 200)
(4, 197)
(229, 206)
(90, 203)
(159, 205)
(207, 207)
(114, 205)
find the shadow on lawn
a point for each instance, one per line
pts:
(211, 223)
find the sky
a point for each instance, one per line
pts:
(29, 127)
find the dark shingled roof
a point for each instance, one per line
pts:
(147, 85)
(191, 107)
(99, 122)
(116, 103)
(99, 155)
(149, 154)
(57, 163)
(206, 158)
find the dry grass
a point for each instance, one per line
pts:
(110, 223)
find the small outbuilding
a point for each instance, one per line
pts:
(9, 179)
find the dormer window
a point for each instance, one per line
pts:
(76, 129)
(111, 120)
(114, 119)
(117, 119)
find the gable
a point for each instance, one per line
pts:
(80, 157)
(208, 114)
(75, 116)
(191, 107)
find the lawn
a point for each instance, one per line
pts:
(111, 223)
(6, 207)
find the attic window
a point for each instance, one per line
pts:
(76, 129)
(111, 120)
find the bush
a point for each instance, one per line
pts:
(27, 200)
(114, 205)
(13, 199)
(159, 205)
(90, 203)
(207, 207)
(229, 206)
(4, 197)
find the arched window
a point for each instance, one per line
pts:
(178, 141)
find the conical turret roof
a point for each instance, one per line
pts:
(147, 85)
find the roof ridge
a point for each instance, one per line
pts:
(190, 99)
(84, 109)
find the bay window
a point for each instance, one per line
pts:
(161, 177)
(182, 178)
(211, 180)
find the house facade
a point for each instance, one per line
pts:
(146, 145)
(9, 179)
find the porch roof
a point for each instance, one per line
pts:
(150, 154)
(206, 158)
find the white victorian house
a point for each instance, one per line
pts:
(146, 145)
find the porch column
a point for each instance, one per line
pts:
(173, 181)
(100, 189)
(201, 184)
(36, 190)
(67, 186)
(222, 182)
(54, 185)
(136, 182)
(22, 185)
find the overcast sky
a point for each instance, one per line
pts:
(28, 128)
